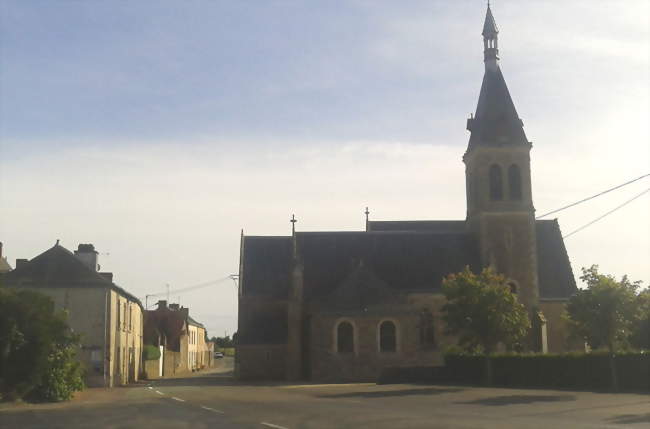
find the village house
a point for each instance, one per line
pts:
(4, 264)
(344, 305)
(181, 338)
(108, 318)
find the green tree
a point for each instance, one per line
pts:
(640, 337)
(37, 348)
(482, 311)
(605, 312)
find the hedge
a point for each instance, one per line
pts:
(150, 352)
(567, 371)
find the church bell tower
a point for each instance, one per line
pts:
(500, 210)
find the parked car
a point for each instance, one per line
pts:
(218, 355)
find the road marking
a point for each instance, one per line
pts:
(178, 399)
(211, 409)
(271, 425)
(159, 392)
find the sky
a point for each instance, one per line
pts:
(158, 130)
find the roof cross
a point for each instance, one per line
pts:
(293, 223)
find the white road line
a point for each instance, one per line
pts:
(211, 409)
(159, 392)
(178, 399)
(271, 425)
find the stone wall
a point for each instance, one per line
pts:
(367, 361)
(261, 361)
(556, 327)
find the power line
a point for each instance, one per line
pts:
(193, 287)
(593, 196)
(606, 214)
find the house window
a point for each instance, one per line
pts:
(345, 338)
(387, 337)
(496, 183)
(514, 182)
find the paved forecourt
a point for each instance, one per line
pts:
(215, 400)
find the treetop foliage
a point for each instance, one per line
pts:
(609, 313)
(482, 310)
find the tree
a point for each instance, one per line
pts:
(223, 342)
(37, 348)
(604, 313)
(640, 337)
(482, 311)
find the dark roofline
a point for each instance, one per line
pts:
(99, 281)
(191, 321)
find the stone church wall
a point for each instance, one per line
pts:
(367, 361)
(556, 327)
(261, 361)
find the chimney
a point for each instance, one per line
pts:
(0, 249)
(162, 304)
(87, 254)
(21, 262)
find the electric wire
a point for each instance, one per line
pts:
(193, 287)
(593, 196)
(606, 214)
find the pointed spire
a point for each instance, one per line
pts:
(490, 29)
(496, 120)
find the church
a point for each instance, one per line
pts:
(343, 306)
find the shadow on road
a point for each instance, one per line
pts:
(392, 393)
(520, 399)
(155, 413)
(628, 419)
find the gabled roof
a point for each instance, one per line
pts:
(191, 321)
(496, 121)
(266, 266)
(58, 267)
(554, 271)
(414, 259)
(490, 25)
(360, 290)
(417, 225)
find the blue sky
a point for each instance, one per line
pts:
(159, 129)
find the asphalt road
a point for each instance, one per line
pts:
(215, 400)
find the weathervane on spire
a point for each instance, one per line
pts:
(367, 213)
(293, 224)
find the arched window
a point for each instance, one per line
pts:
(496, 183)
(514, 182)
(345, 338)
(387, 337)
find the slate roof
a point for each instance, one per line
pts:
(266, 266)
(58, 267)
(405, 261)
(490, 25)
(418, 225)
(191, 321)
(412, 260)
(554, 271)
(496, 121)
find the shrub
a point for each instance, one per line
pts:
(570, 370)
(37, 348)
(150, 352)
